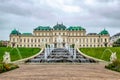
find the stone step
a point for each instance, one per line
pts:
(60, 55)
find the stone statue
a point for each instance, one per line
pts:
(77, 44)
(113, 57)
(6, 57)
(59, 41)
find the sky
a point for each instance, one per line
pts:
(25, 15)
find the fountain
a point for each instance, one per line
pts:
(59, 54)
(112, 57)
(7, 58)
(17, 52)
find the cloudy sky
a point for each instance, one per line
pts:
(25, 15)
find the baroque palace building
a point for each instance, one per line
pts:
(70, 35)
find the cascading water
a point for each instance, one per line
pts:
(104, 53)
(18, 52)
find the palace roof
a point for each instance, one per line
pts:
(59, 27)
(15, 32)
(104, 32)
(46, 28)
(27, 34)
(76, 28)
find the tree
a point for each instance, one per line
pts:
(116, 43)
(1, 44)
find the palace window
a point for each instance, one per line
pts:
(38, 40)
(20, 40)
(83, 40)
(86, 40)
(94, 40)
(28, 40)
(13, 39)
(24, 40)
(80, 40)
(101, 40)
(105, 40)
(31, 40)
(90, 40)
(98, 40)
(63, 34)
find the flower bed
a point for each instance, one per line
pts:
(7, 67)
(115, 65)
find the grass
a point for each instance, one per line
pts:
(25, 52)
(98, 52)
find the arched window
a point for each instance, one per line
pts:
(28, 40)
(105, 40)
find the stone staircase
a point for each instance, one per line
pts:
(61, 55)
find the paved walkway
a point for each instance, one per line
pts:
(61, 72)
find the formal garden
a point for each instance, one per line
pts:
(21, 53)
(105, 54)
(15, 54)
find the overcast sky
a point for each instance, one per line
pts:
(25, 15)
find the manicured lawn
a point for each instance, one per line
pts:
(14, 53)
(101, 53)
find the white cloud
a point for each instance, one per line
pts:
(28, 14)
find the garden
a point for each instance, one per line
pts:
(15, 54)
(104, 54)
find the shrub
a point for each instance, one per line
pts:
(7, 67)
(115, 65)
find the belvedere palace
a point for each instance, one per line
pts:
(68, 35)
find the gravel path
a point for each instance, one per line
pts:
(61, 72)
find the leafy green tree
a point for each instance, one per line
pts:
(2, 45)
(116, 43)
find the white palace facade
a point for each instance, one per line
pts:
(70, 35)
